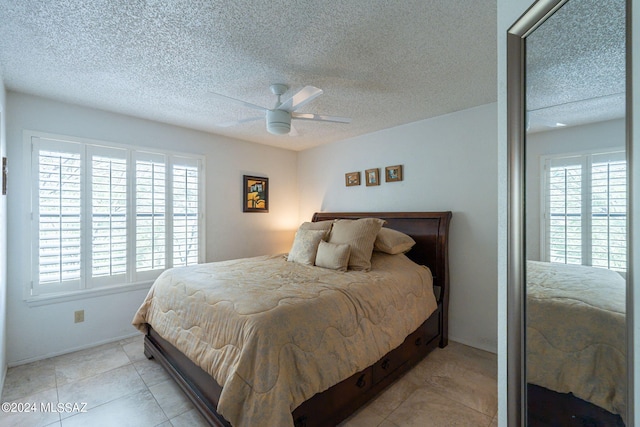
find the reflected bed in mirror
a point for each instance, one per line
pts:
(576, 333)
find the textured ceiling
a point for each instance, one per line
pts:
(576, 65)
(381, 63)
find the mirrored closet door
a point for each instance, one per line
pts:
(569, 194)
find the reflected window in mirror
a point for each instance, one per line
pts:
(585, 209)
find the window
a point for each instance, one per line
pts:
(585, 210)
(111, 215)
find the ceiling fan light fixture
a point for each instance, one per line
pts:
(278, 122)
(279, 117)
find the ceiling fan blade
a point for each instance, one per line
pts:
(238, 101)
(320, 117)
(237, 122)
(304, 95)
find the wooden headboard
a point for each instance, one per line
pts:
(430, 230)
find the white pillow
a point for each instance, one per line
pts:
(360, 235)
(393, 242)
(305, 246)
(333, 256)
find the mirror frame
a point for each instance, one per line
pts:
(537, 14)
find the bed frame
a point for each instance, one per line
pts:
(430, 230)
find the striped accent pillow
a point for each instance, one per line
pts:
(320, 225)
(359, 234)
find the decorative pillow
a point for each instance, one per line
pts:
(305, 246)
(333, 256)
(320, 225)
(393, 242)
(360, 235)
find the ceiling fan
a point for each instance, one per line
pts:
(279, 117)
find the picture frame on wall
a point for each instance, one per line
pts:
(372, 177)
(393, 173)
(352, 179)
(256, 194)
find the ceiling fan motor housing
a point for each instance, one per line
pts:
(278, 122)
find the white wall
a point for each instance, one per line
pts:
(43, 331)
(3, 244)
(577, 139)
(449, 164)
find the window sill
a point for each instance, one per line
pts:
(40, 300)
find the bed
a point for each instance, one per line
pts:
(576, 333)
(322, 385)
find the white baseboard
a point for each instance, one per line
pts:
(71, 350)
(474, 344)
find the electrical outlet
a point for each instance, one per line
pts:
(78, 316)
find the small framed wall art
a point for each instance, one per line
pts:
(372, 177)
(393, 173)
(352, 178)
(256, 194)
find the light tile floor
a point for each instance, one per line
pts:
(454, 386)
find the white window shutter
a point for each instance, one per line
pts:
(150, 210)
(565, 213)
(108, 206)
(586, 210)
(57, 216)
(609, 213)
(186, 212)
(106, 215)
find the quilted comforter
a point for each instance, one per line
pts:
(273, 333)
(576, 332)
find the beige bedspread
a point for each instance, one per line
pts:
(576, 332)
(274, 333)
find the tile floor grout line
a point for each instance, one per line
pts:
(158, 403)
(55, 378)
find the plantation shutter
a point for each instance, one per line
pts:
(151, 221)
(565, 212)
(185, 218)
(586, 210)
(108, 204)
(57, 216)
(609, 211)
(110, 216)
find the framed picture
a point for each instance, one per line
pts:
(393, 173)
(256, 194)
(372, 177)
(352, 178)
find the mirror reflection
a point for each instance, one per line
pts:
(576, 207)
